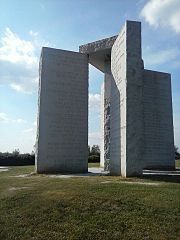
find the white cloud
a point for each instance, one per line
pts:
(94, 102)
(20, 88)
(35, 123)
(28, 130)
(177, 135)
(152, 57)
(6, 119)
(32, 33)
(3, 117)
(32, 129)
(16, 50)
(94, 138)
(19, 60)
(29, 134)
(20, 120)
(162, 13)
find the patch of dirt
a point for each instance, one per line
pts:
(24, 175)
(4, 169)
(107, 182)
(18, 188)
(140, 183)
(144, 183)
(67, 176)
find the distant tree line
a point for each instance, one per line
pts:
(16, 158)
(21, 159)
(93, 154)
(177, 154)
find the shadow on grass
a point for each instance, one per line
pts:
(163, 178)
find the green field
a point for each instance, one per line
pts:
(96, 207)
(178, 163)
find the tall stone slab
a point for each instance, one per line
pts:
(126, 103)
(105, 116)
(158, 144)
(62, 137)
(108, 78)
(102, 127)
(118, 104)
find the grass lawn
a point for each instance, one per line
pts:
(96, 207)
(93, 164)
(178, 163)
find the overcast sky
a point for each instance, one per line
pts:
(27, 25)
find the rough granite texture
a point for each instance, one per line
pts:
(62, 139)
(102, 127)
(99, 45)
(118, 105)
(141, 126)
(107, 106)
(105, 117)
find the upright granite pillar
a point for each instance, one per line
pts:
(102, 127)
(127, 102)
(158, 144)
(62, 137)
(105, 116)
(108, 78)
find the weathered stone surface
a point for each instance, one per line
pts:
(158, 144)
(99, 52)
(102, 127)
(134, 114)
(108, 78)
(141, 129)
(105, 117)
(62, 140)
(99, 45)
